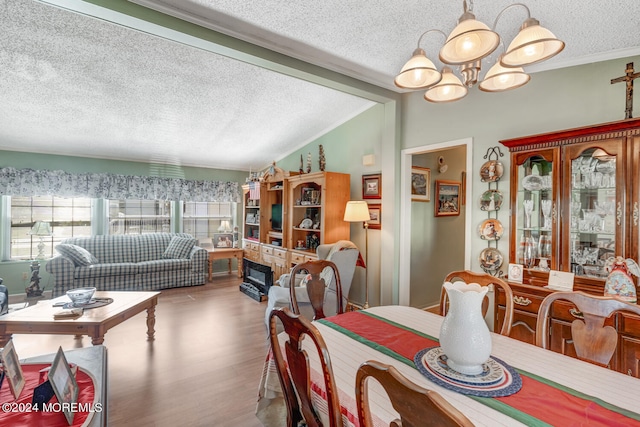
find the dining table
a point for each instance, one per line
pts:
(554, 389)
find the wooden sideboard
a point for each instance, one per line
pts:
(527, 300)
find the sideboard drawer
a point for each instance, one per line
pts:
(297, 258)
(522, 301)
(280, 253)
(267, 250)
(629, 324)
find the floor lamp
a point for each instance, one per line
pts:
(358, 211)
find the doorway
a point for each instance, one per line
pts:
(432, 246)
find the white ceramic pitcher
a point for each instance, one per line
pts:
(464, 335)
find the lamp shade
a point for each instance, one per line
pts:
(500, 78)
(357, 211)
(419, 72)
(225, 225)
(41, 228)
(532, 44)
(449, 89)
(469, 41)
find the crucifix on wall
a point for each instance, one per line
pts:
(629, 77)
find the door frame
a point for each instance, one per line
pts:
(406, 155)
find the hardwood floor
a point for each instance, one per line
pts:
(203, 368)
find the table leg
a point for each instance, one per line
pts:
(98, 339)
(151, 322)
(230, 265)
(4, 339)
(239, 266)
(210, 269)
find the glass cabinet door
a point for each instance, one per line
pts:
(595, 220)
(536, 210)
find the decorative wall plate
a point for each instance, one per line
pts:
(491, 200)
(490, 229)
(490, 259)
(491, 171)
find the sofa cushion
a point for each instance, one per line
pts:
(104, 270)
(179, 248)
(79, 255)
(163, 265)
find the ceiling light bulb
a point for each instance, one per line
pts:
(467, 44)
(505, 79)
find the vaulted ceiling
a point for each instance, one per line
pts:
(78, 79)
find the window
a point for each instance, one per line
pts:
(66, 218)
(202, 219)
(139, 216)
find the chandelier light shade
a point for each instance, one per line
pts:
(469, 41)
(466, 46)
(449, 89)
(533, 43)
(500, 78)
(419, 72)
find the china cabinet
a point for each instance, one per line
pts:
(574, 198)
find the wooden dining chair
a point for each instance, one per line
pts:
(417, 406)
(294, 371)
(483, 279)
(593, 342)
(319, 286)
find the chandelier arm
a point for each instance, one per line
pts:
(430, 31)
(495, 23)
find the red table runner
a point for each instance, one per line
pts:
(20, 413)
(540, 401)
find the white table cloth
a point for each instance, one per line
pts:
(347, 354)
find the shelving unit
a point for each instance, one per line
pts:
(316, 204)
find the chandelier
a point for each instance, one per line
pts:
(466, 46)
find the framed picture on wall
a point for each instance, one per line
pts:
(375, 212)
(420, 184)
(372, 186)
(447, 198)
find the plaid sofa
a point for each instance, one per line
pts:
(128, 263)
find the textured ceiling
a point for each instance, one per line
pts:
(76, 85)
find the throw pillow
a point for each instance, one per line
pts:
(79, 255)
(179, 248)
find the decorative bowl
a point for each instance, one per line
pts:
(81, 296)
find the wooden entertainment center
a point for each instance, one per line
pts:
(292, 216)
(584, 187)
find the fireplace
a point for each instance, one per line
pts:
(258, 278)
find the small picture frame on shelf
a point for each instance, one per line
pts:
(420, 184)
(372, 186)
(375, 213)
(64, 385)
(12, 369)
(251, 218)
(447, 198)
(516, 273)
(222, 240)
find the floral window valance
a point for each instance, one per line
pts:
(30, 182)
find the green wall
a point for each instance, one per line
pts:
(552, 100)
(12, 271)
